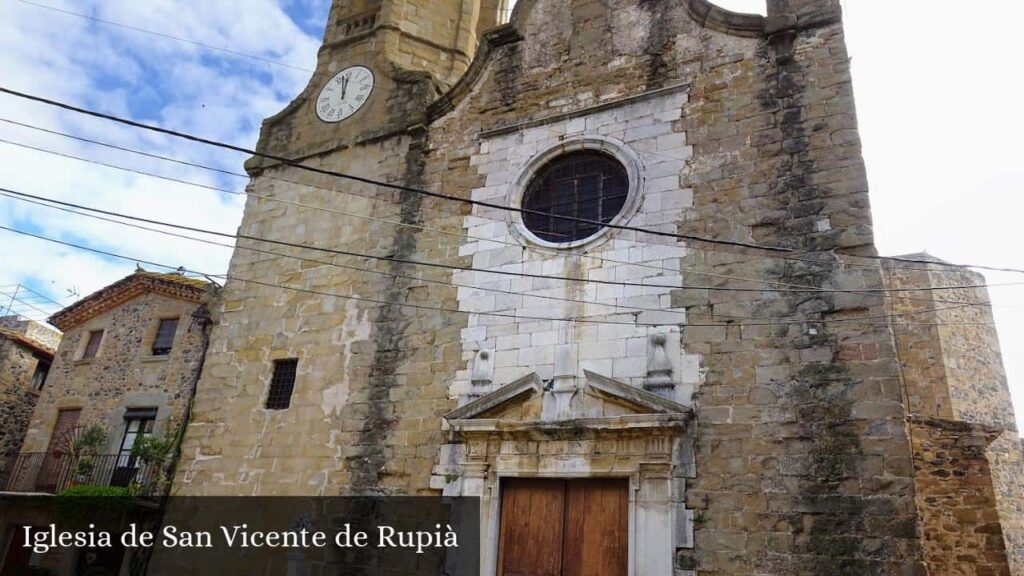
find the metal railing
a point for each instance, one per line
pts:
(51, 473)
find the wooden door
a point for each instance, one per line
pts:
(50, 471)
(576, 527)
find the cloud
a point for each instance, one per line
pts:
(152, 79)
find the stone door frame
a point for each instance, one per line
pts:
(648, 444)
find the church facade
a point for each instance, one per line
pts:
(637, 311)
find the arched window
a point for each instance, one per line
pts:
(585, 184)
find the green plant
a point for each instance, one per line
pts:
(152, 450)
(89, 490)
(89, 504)
(92, 439)
(152, 453)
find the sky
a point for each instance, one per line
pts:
(938, 103)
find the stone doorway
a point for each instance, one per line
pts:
(604, 440)
(564, 527)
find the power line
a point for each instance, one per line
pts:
(365, 217)
(323, 262)
(497, 314)
(438, 195)
(333, 210)
(388, 185)
(392, 259)
(168, 36)
(328, 263)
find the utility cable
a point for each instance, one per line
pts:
(425, 280)
(672, 271)
(393, 259)
(453, 311)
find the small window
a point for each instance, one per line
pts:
(583, 185)
(164, 340)
(281, 384)
(92, 346)
(39, 377)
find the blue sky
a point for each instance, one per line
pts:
(151, 79)
(939, 115)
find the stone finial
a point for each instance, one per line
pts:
(483, 369)
(659, 369)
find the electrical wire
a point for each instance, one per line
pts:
(393, 259)
(393, 275)
(325, 262)
(365, 180)
(453, 311)
(295, 164)
(361, 216)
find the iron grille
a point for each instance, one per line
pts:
(586, 185)
(282, 383)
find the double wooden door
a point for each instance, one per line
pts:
(571, 527)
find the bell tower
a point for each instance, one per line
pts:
(381, 63)
(436, 37)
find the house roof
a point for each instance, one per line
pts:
(35, 345)
(175, 285)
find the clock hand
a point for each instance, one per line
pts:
(344, 86)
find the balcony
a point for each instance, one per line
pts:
(51, 473)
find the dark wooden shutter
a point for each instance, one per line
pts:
(93, 345)
(164, 340)
(50, 470)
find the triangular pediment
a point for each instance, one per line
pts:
(637, 400)
(602, 402)
(488, 405)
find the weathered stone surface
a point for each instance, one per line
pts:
(739, 129)
(124, 373)
(24, 344)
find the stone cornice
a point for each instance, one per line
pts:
(109, 297)
(27, 342)
(726, 21)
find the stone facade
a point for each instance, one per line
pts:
(796, 455)
(25, 348)
(956, 387)
(124, 373)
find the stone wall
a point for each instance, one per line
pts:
(123, 374)
(17, 398)
(743, 130)
(960, 525)
(953, 369)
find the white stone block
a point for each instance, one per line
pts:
(544, 338)
(602, 349)
(629, 367)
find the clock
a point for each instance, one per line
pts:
(344, 94)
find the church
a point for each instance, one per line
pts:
(608, 266)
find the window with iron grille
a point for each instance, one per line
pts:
(587, 184)
(282, 383)
(164, 340)
(92, 346)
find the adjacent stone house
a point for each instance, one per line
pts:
(708, 348)
(127, 366)
(26, 352)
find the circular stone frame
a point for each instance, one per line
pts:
(618, 150)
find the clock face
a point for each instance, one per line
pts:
(345, 93)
